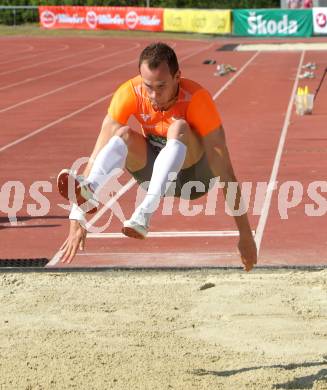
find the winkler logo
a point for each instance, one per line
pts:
(131, 19)
(48, 19)
(259, 26)
(92, 19)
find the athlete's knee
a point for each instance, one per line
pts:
(180, 130)
(124, 132)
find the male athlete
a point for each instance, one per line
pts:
(182, 135)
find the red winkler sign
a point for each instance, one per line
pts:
(92, 18)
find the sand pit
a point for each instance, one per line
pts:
(158, 330)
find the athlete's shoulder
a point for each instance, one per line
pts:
(190, 86)
(202, 113)
(124, 102)
(129, 84)
(137, 80)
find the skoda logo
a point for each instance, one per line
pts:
(321, 19)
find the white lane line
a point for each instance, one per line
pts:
(59, 120)
(49, 61)
(55, 122)
(55, 259)
(196, 53)
(93, 76)
(141, 256)
(45, 52)
(69, 67)
(267, 201)
(174, 234)
(64, 48)
(171, 255)
(62, 88)
(30, 48)
(232, 79)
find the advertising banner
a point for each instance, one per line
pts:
(273, 23)
(175, 20)
(198, 21)
(293, 4)
(319, 16)
(93, 18)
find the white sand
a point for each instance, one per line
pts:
(157, 330)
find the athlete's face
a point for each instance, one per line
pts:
(160, 85)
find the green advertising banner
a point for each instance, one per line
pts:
(273, 22)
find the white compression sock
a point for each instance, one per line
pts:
(170, 160)
(112, 156)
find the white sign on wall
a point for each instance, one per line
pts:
(320, 20)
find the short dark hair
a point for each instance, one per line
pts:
(156, 53)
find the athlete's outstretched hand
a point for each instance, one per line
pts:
(75, 240)
(248, 251)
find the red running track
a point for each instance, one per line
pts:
(54, 95)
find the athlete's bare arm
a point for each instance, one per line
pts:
(220, 163)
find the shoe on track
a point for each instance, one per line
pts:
(137, 226)
(134, 230)
(80, 191)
